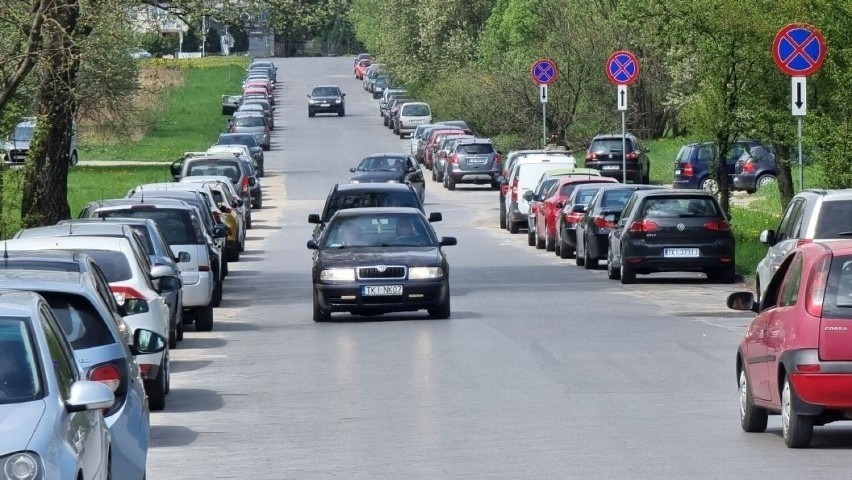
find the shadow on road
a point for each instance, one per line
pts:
(171, 436)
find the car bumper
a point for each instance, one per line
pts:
(745, 182)
(598, 247)
(415, 296)
(685, 184)
(325, 109)
(475, 176)
(198, 294)
(614, 170)
(650, 257)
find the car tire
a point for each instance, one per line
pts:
(579, 260)
(173, 338)
(441, 174)
(764, 180)
(549, 242)
(401, 136)
(258, 205)
(710, 185)
(248, 222)
(796, 429)
(565, 250)
(611, 272)
(646, 179)
(204, 319)
(514, 227)
(423, 194)
(217, 294)
(532, 239)
(589, 263)
(434, 176)
(451, 184)
(320, 315)
(753, 419)
(180, 329)
(628, 275)
(341, 112)
(442, 311)
(385, 120)
(502, 216)
(557, 247)
(311, 114)
(156, 390)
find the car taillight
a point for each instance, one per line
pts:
(643, 226)
(748, 166)
(245, 184)
(454, 159)
(504, 189)
(573, 218)
(108, 375)
(603, 223)
(687, 170)
(632, 156)
(816, 286)
(717, 226)
(498, 160)
(131, 299)
(515, 190)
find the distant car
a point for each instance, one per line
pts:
(362, 56)
(361, 68)
(254, 123)
(795, 358)
(390, 168)
(138, 53)
(429, 141)
(552, 203)
(473, 161)
(570, 216)
(379, 85)
(812, 214)
(52, 415)
(604, 154)
(670, 231)
(246, 139)
(525, 174)
(755, 169)
(388, 95)
(261, 107)
(445, 144)
(370, 261)
(694, 164)
(508, 164)
(536, 195)
(410, 116)
(326, 99)
(16, 148)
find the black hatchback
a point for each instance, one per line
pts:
(671, 231)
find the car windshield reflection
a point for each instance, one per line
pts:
(401, 230)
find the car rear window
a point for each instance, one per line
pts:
(83, 326)
(113, 264)
(231, 139)
(228, 168)
(835, 219)
(344, 200)
(615, 199)
(838, 295)
(40, 265)
(475, 149)
(249, 122)
(608, 145)
(680, 207)
(415, 110)
(21, 379)
(584, 195)
(176, 225)
(529, 173)
(143, 233)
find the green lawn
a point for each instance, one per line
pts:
(87, 183)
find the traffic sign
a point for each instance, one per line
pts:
(622, 98)
(542, 93)
(544, 71)
(799, 100)
(622, 68)
(799, 49)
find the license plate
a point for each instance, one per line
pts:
(381, 290)
(610, 167)
(477, 160)
(323, 105)
(677, 172)
(681, 253)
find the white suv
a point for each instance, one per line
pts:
(524, 175)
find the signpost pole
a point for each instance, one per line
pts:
(543, 124)
(801, 161)
(623, 147)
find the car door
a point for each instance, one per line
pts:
(414, 175)
(617, 233)
(775, 339)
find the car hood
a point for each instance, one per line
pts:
(411, 256)
(16, 145)
(18, 422)
(376, 176)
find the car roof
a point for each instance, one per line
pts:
(18, 303)
(125, 202)
(46, 280)
(670, 192)
(839, 246)
(68, 256)
(354, 212)
(75, 229)
(561, 171)
(76, 242)
(345, 187)
(387, 154)
(829, 195)
(326, 86)
(602, 136)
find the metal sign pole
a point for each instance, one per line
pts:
(801, 161)
(623, 147)
(543, 124)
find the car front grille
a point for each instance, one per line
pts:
(381, 271)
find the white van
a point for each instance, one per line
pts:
(412, 114)
(524, 176)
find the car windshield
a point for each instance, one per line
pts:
(228, 169)
(24, 134)
(680, 207)
(835, 219)
(325, 92)
(475, 149)
(382, 164)
(344, 200)
(608, 145)
(80, 321)
(247, 140)
(19, 372)
(114, 264)
(250, 121)
(378, 230)
(415, 110)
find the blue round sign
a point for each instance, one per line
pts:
(798, 49)
(544, 71)
(622, 68)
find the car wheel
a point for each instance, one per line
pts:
(217, 294)
(442, 311)
(173, 338)
(385, 120)
(180, 329)
(451, 184)
(156, 390)
(709, 185)
(248, 221)
(646, 179)
(753, 419)
(434, 175)
(548, 241)
(533, 241)
(557, 246)
(401, 135)
(565, 250)
(765, 180)
(628, 275)
(578, 259)
(204, 319)
(311, 114)
(423, 194)
(441, 174)
(611, 272)
(502, 216)
(513, 227)
(320, 315)
(588, 262)
(796, 429)
(341, 112)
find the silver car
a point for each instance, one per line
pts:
(50, 417)
(254, 123)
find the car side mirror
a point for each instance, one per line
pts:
(146, 342)
(767, 237)
(86, 395)
(308, 95)
(435, 217)
(235, 204)
(175, 168)
(159, 271)
(448, 241)
(314, 218)
(528, 195)
(183, 257)
(312, 244)
(352, 169)
(170, 283)
(219, 231)
(742, 301)
(342, 94)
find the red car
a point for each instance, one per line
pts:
(434, 138)
(796, 356)
(551, 206)
(361, 68)
(265, 84)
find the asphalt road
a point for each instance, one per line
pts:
(545, 370)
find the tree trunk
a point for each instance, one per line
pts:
(784, 179)
(45, 196)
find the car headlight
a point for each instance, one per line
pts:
(338, 275)
(21, 466)
(313, 101)
(423, 273)
(354, 181)
(337, 100)
(392, 181)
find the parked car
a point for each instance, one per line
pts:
(104, 346)
(755, 169)
(362, 56)
(589, 240)
(537, 194)
(411, 115)
(45, 398)
(243, 139)
(415, 139)
(379, 85)
(552, 202)
(387, 96)
(524, 176)
(361, 68)
(430, 140)
(795, 358)
(254, 123)
(393, 108)
(241, 151)
(670, 231)
(570, 216)
(258, 106)
(15, 148)
(390, 168)
(392, 262)
(605, 154)
(508, 164)
(138, 54)
(445, 144)
(214, 165)
(326, 99)
(694, 164)
(812, 214)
